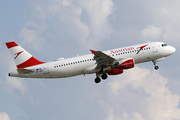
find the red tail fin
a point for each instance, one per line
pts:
(21, 57)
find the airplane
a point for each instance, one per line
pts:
(102, 63)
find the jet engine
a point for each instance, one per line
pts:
(124, 64)
(127, 64)
(115, 71)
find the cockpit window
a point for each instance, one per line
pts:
(163, 45)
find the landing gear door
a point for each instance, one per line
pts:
(46, 70)
(154, 48)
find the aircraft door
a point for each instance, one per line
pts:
(154, 48)
(46, 70)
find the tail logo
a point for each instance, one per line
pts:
(141, 48)
(17, 54)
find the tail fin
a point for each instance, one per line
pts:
(21, 57)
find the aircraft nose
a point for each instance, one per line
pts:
(173, 50)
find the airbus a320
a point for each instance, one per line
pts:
(102, 63)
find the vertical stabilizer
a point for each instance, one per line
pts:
(21, 57)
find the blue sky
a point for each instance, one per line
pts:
(51, 29)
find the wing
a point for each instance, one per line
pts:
(24, 71)
(103, 59)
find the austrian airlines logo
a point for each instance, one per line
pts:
(141, 48)
(17, 54)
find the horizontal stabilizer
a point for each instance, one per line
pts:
(25, 71)
(59, 59)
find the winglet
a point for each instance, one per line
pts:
(92, 51)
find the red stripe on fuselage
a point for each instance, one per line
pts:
(30, 62)
(11, 44)
(143, 47)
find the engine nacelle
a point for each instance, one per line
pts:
(124, 64)
(115, 71)
(127, 63)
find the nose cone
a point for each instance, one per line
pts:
(173, 50)
(169, 50)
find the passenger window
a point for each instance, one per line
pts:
(54, 66)
(69, 63)
(59, 65)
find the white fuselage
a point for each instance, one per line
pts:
(86, 64)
